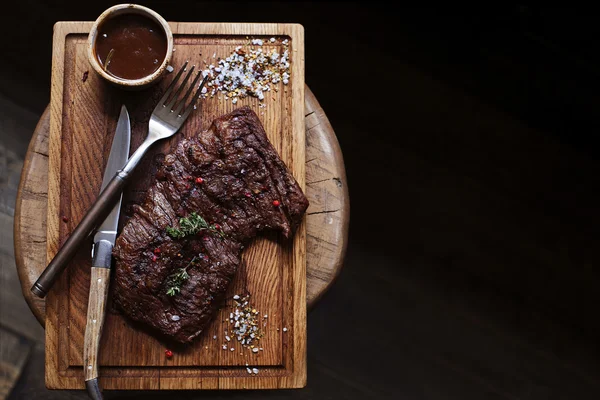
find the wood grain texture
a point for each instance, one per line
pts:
(96, 310)
(327, 218)
(81, 127)
(31, 207)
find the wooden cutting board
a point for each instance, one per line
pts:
(84, 110)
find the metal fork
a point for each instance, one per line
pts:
(168, 116)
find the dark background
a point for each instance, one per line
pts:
(470, 138)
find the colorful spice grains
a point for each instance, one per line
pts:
(248, 71)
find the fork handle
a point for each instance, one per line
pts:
(94, 217)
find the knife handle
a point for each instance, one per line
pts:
(95, 215)
(100, 279)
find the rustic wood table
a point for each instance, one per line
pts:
(326, 221)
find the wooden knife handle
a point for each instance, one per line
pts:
(94, 217)
(95, 320)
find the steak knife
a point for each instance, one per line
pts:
(104, 240)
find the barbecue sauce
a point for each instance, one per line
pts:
(130, 46)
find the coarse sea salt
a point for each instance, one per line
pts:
(243, 324)
(247, 72)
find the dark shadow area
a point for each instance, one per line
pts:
(471, 144)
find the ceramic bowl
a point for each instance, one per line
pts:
(130, 84)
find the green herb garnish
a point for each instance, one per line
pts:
(191, 225)
(177, 278)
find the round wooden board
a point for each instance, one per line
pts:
(326, 220)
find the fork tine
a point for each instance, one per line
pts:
(189, 108)
(180, 89)
(187, 94)
(163, 99)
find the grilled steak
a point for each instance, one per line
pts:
(229, 184)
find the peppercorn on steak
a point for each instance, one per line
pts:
(180, 250)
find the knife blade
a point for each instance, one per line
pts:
(119, 154)
(104, 240)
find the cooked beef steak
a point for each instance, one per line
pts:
(232, 177)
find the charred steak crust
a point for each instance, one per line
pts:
(231, 176)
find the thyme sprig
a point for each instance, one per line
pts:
(177, 278)
(191, 225)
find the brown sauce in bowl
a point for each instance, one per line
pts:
(130, 46)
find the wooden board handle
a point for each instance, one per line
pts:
(95, 320)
